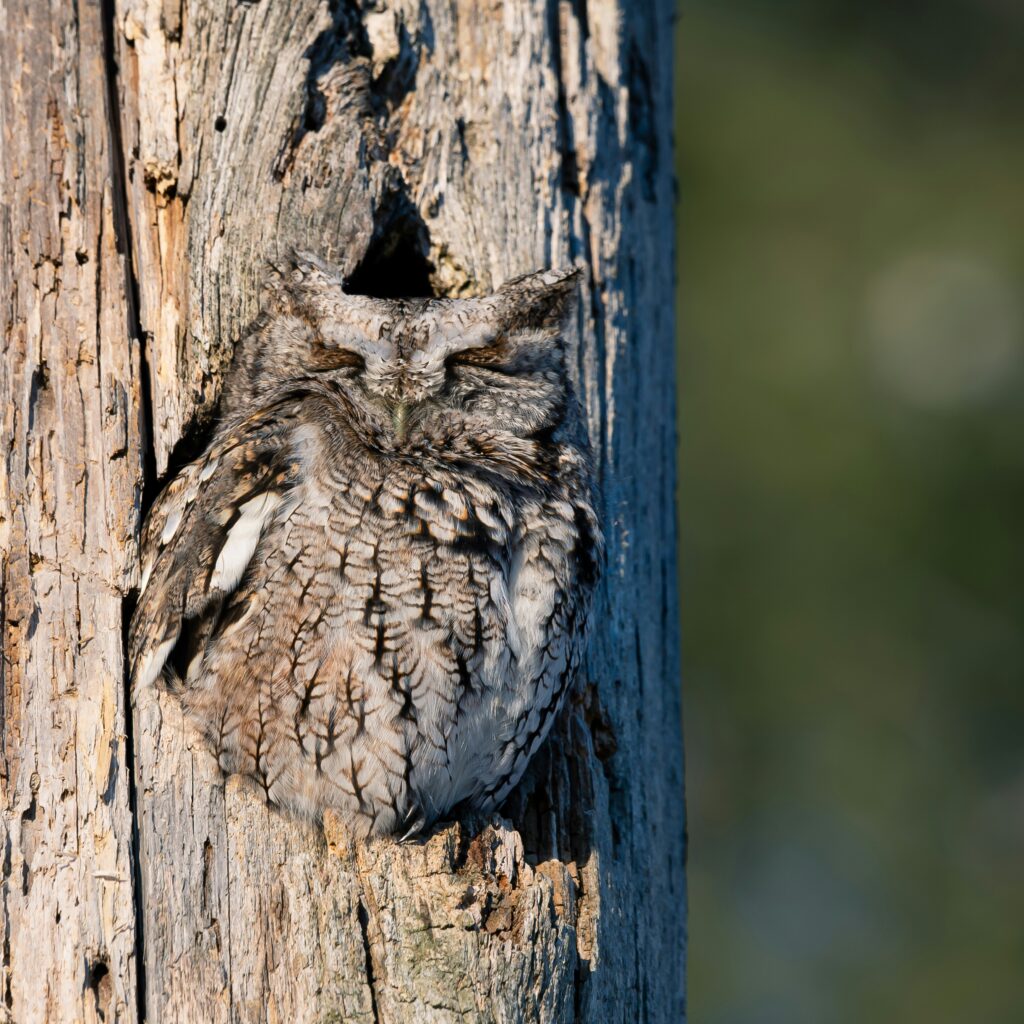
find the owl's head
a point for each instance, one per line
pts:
(408, 363)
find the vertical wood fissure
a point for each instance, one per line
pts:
(363, 916)
(124, 244)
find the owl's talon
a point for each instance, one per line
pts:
(419, 819)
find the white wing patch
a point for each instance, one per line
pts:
(171, 525)
(147, 572)
(153, 662)
(242, 540)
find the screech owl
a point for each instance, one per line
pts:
(382, 563)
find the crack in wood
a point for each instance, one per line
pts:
(123, 243)
(364, 921)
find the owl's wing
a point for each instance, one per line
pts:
(205, 527)
(556, 564)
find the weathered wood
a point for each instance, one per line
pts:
(422, 144)
(70, 484)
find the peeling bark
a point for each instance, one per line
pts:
(427, 147)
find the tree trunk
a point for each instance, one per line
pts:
(154, 152)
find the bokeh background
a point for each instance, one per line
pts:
(851, 357)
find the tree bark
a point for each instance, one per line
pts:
(424, 145)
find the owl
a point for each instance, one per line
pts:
(370, 592)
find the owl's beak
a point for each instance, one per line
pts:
(400, 420)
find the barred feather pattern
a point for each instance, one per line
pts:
(374, 583)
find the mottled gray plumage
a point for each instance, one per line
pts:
(384, 558)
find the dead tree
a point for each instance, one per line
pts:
(152, 152)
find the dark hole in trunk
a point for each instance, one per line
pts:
(396, 264)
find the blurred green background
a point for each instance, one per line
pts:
(852, 508)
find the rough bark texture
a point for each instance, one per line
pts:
(426, 145)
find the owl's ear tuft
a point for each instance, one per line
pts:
(544, 298)
(287, 280)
